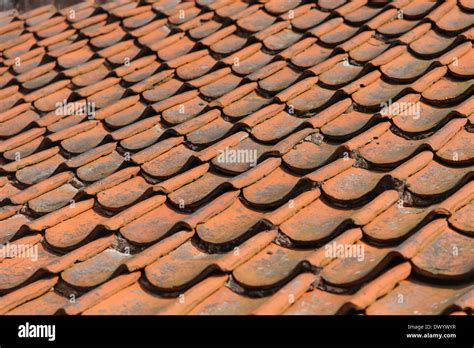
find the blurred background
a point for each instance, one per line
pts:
(26, 5)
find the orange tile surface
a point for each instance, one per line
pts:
(237, 157)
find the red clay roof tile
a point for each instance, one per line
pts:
(231, 139)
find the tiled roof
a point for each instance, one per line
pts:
(224, 147)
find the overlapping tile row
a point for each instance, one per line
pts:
(203, 157)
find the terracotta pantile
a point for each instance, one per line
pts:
(209, 133)
(20, 269)
(398, 149)
(376, 93)
(318, 221)
(189, 71)
(146, 32)
(137, 128)
(46, 304)
(108, 39)
(138, 232)
(205, 29)
(133, 212)
(85, 141)
(81, 14)
(280, 301)
(95, 270)
(248, 147)
(251, 63)
(8, 211)
(41, 188)
(430, 117)
(66, 122)
(311, 100)
(361, 268)
(197, 122)
(160, 39)
(271, 266)
(74, 231)
(91, 21)
(26, 293)
(25, 149)
(190, 263)
(84, 69)
(418, 9)
(16, 36)
(415, 295)
(217, 88)
(91, 155)
(319, 302)
(20, 49)
(397, 27)
(196, 192)
(245, 106)
(436, 179)
(432, 43)
(76, 7)
(458, 148)
(463, 67)
(348, 123)
(311, 56)
(276, 81)
(11, 226)
(460, 218)
(40, 81)
(455, 20)
(7, 188)
(142, 73)
(454, 249)
(283, 122)
(230, 8)
(123, 194)
(281, 40)
(143, 184)
(275, 188)
(140, 19)
(29, 64)
(446, 91)
(185, 111)
(412, 68)
(256, 21)
(169, 163)
(375, 257)
(109, 7)
(17, 124)
(397, 222)
(339, 34)
(367, 181)
(227, 226)
(226, 302)
(156, 150)
(52, 219)
(255, 174)
(175, 51)
(35, 173)
(309, 19)
(100, 168)
(49, 103)
(189, 14)
(150, 81)
(309, 155)
(140, 301)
